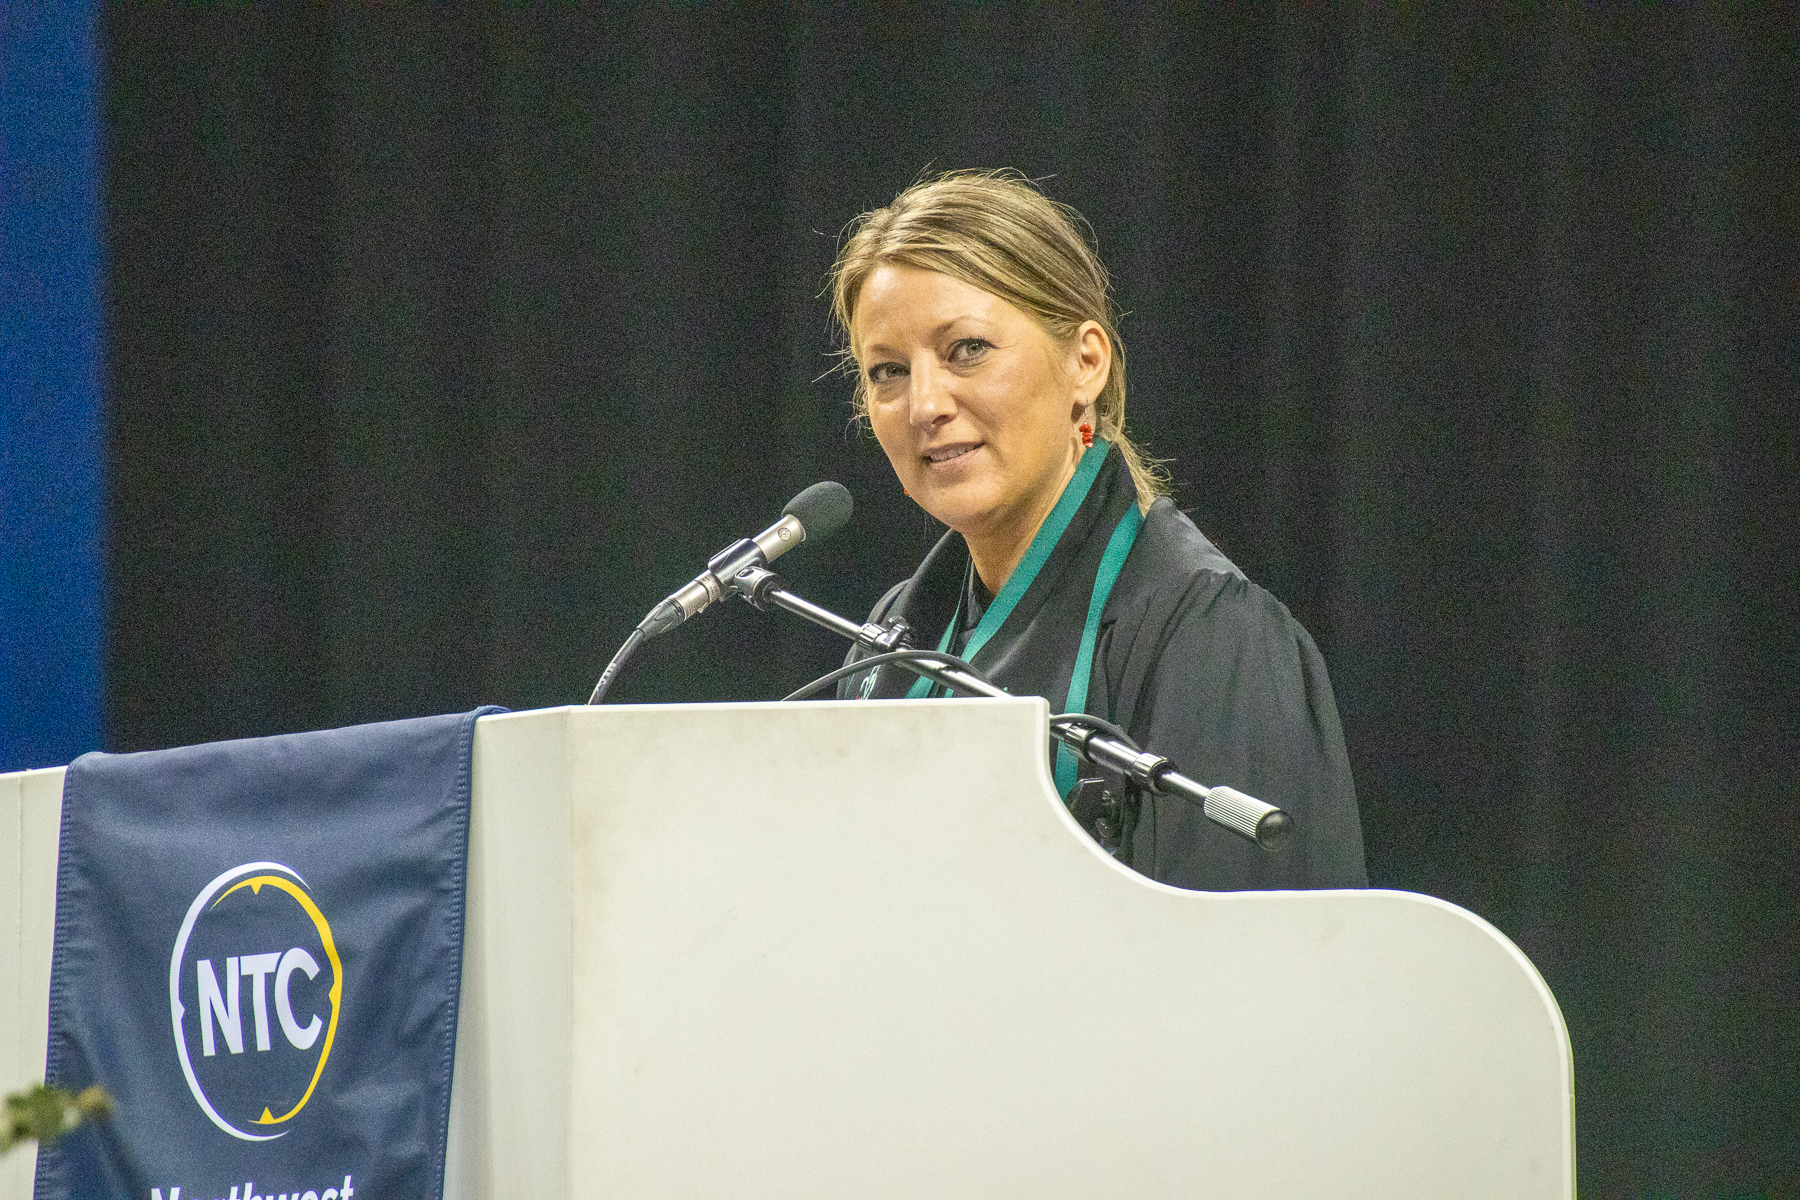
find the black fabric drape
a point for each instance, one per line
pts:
(442, 344)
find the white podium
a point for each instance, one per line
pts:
(860, 950)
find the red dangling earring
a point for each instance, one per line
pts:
(1087, 436)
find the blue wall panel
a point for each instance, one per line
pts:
(51, 422)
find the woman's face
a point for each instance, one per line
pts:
(976, 406)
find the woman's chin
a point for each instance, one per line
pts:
(961, 507)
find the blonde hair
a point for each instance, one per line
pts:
(996, 231)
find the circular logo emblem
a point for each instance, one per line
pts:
(255, 985)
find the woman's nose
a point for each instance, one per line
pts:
(931, 398)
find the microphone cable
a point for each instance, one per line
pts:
(1082, 719)
(892, 656)
(626, 650)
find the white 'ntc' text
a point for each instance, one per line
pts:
(221, 1005)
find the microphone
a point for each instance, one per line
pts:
(818, 512)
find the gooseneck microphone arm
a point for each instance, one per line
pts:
(1244, 815)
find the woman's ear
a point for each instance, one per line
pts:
(1092, 361)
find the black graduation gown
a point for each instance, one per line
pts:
(1193, 660)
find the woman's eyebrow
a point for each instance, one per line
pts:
(874, 348)
(947, 326)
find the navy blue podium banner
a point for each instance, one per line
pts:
(258, 954)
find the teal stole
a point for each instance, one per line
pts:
(1118, 546)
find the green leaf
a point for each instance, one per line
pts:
(43, 1114)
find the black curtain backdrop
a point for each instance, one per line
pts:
(444, 344)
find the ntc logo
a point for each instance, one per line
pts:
(254, 941)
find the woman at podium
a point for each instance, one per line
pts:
(989, 367)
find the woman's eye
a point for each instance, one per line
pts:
(968, 350)
(882, 372)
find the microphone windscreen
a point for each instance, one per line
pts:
(822, 509)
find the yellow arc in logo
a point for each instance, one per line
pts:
(337, 975)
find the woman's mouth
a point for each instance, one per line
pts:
(948, 454)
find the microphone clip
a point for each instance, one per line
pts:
(754, 583)
(892, 634)
(723, 568)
